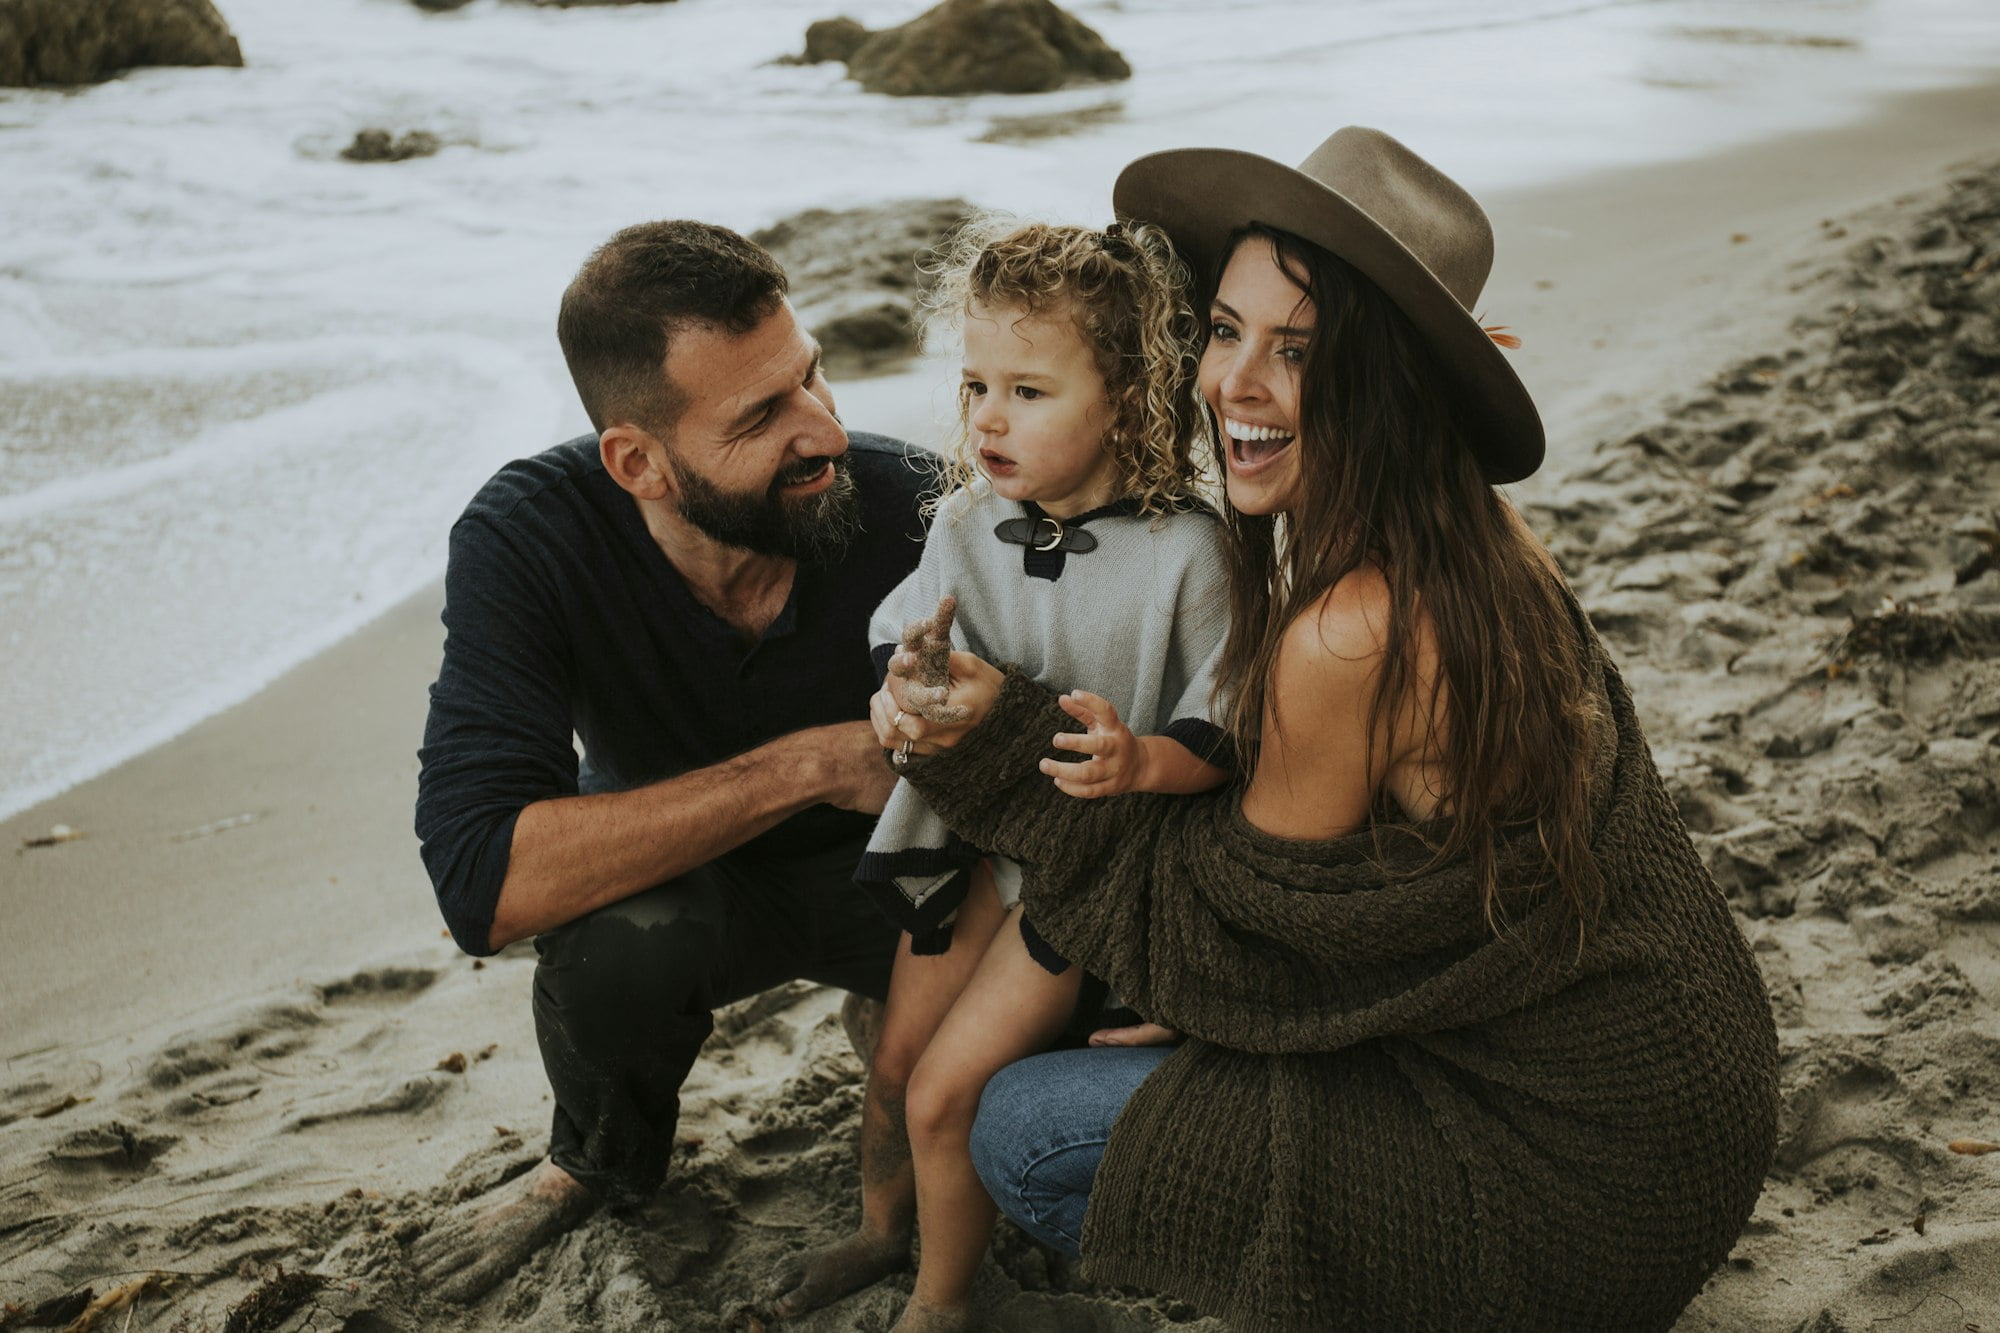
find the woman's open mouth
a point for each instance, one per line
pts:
(1251, 447)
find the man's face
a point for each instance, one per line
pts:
(757, 458)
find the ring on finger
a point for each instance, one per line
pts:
(896, 723)
(902, 755)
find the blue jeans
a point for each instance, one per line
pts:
(1043, 1123)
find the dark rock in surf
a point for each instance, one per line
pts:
(974, 46)
(854, 273)
(381, 146)
(67, 42)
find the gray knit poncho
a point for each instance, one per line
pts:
(1139, 620)
(1386, 1117)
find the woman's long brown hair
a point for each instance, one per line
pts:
(1386, 479)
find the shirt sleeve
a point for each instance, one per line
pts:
(499, 734)
(1200, 628)
(912, 599)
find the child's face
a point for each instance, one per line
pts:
(1037, 408)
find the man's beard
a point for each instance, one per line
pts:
(813, 528)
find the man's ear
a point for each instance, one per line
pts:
(635, 461)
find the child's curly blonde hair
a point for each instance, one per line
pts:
(1126, 290)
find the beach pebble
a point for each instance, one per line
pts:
(381, 146)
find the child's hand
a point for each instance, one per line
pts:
(928, 688)
(1115, 761)
(974, 686)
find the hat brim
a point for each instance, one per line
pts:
(1198, 196)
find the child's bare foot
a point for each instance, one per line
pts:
(477, 1245)
(820, 1277)
(921, 1318)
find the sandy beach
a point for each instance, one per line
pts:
(244, 1070)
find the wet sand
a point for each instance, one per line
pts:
(237, 1047)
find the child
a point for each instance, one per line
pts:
(1071, 541)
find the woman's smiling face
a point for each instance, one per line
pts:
(1259, 325)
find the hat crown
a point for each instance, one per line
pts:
(1422, 208)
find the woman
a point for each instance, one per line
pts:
(1472, 1040)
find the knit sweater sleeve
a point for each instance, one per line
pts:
(988, 787)
(1206, 924)
(1200, 629)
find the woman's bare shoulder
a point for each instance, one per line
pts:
(1343, 630)
(1311, 781)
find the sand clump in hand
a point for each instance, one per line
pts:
(1799, 570)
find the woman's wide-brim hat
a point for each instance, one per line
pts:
(1410, 228)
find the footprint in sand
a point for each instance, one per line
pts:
(112, 1146)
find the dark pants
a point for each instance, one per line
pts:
(623, 995)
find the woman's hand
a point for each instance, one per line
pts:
(1139, 1034)
(1113, 760)
(975, 684)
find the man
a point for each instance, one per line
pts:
(688, 594)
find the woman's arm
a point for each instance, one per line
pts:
(1317, 776)
(982, 776)
(1108, 760)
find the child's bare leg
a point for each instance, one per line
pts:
(1011, 1008)
(922, 988)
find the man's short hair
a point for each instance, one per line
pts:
(640, 288)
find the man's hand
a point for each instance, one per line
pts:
(574, 854)
(856, 777)
(1113, 762)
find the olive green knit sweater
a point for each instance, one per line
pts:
(1386, 1116)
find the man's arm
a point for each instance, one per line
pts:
(510, 845)
(575, 854)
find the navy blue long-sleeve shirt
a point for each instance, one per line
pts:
(563, 616)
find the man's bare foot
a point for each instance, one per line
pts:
(820, 1277)
(921, 1318)
(475, 1246)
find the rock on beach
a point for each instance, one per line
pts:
(855, 274)
(68, 42)
(970, 46)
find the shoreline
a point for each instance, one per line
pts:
(1646, 292)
